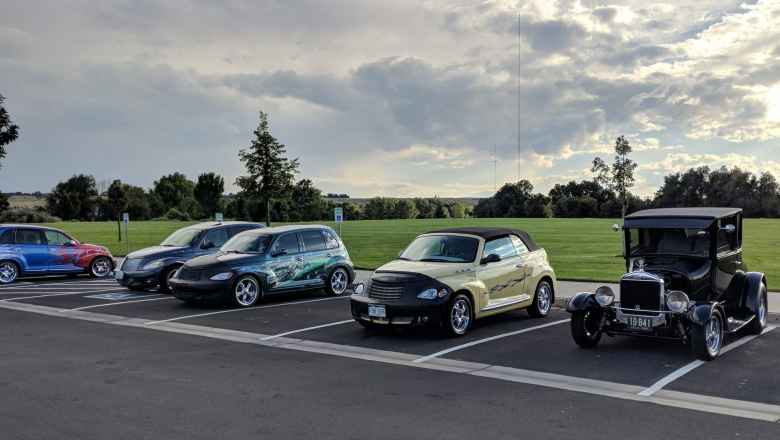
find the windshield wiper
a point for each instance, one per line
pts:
(404, 259)
(435, 260)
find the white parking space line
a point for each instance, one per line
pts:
(63, 294)
(292, 332)
(489, 339)
(682, 371)
(199, 315)
(66, 283)
(64, 288)
(94, 306)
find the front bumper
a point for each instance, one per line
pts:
(200, 290)
(146, 278)
(401, 312)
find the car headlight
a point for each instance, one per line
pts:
(432, 294)
(605, 296)
(360, 289)
(156, 264)
(222, 276)
(677, 301)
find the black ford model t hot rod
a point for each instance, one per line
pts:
(686, 281)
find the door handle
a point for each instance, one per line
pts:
(298, 258)
(520, 266)
(329, 254)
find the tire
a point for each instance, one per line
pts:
(758, 324)
(246, 291)
(543, 300)
(459, 317)
(337, 282)
(166, 275)
(100, 267)
(9, 272)
(707, 339)
(585, 328)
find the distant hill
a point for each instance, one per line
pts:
(467, 201)
(27, 201)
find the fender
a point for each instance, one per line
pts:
(754, 281)
(700, 313)
(583, 301)
(18, 259)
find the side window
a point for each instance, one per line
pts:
(726, 241)
(216, 237)
(331, 242)
(7, 237)
(29, 236)
(502, 246)
(287, 243)
(235, 230)
(55, 238)
(519, 245)
(313, 240)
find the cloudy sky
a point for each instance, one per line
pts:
(395, 98)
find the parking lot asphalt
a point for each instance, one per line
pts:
(518, 357)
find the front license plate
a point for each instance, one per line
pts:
(118, 274)
(375, 311)
(640, 323)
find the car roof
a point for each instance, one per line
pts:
(208, 225)
(705, 213)
(18, 225)
(491, 233)
(289, 228)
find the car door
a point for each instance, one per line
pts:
(501, 278)
(523, 265)
(729, 254)
(315, 255)
(286, 262)
(63, 256)
(33, 248)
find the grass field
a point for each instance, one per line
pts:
(582, 249)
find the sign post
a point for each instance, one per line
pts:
(338, 213)
(219, 217)
(126, 221)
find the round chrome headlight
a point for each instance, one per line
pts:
(605, 296)
(360, 288)
(677, 301)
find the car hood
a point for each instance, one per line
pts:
(92, 247)
(222, 259)
(156, 251)
(432, 270)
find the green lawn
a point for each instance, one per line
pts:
(583, 249)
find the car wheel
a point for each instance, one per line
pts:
(246, 291)
(586, 328)
(337, 282)
(707, 339)
(100, 267)
(166, 275)
(459, 316)
(9, 272)
(543, 300)
(759, 321)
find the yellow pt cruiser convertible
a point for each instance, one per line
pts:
(449, 278)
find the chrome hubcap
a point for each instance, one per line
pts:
(460, 316)
(591, 324)
(339, 281)
(714, 335)
(101, 267)
(762, 311)
(543, 298)
(246, 292)
(7, 273)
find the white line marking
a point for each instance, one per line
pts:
(482, 341)
(292, 332)
(179, 318)
(74, 283)
(94, 306)
(66, 288)
(674, 399)
(682, 371)
(63, 294)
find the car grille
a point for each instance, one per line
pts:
(131, 264)
(640, 294)
(189, 274)
(385, 291)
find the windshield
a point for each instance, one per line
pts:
(442, 248)
(182, 237)
(247, 244)
(694, 242)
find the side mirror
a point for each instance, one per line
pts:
(730, 229)
(492, 258)
(400, 253)
(616, 227)
(72, 243)
(279, 253)
(207, 245)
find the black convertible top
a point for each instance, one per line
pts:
(491, 233)
(698, 218)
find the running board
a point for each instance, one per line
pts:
(736, 325)
(504, 303)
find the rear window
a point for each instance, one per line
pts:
(7, 236)
(29, 236)
(313, 240)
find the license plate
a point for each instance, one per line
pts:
(639, 323)
(377, 311)
(118, 274)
